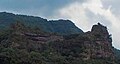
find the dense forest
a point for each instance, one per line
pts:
(21, 43)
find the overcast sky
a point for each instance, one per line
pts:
(84, 13)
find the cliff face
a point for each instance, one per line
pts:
(93, 47)
(99, 44)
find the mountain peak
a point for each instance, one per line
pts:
(100, 29)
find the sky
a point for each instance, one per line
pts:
(84, 13)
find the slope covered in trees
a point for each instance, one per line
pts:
(62, 27)
(34, 40)
(21, 44)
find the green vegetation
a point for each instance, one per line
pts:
(62, 27)
(16, 48)
(22, 43)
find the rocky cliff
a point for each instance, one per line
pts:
(92, 47)
(99, 44)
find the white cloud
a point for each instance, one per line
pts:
(96, 7)
(77, 12)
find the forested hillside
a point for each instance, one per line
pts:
(27, 45)
(62, 27)
(34, 40)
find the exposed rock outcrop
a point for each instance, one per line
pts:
(99, 44)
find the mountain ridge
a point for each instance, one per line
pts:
(54, 26)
